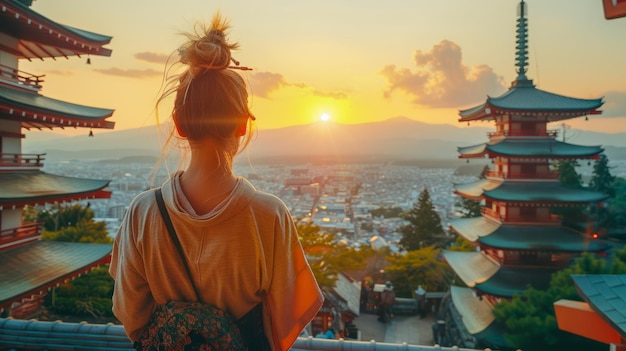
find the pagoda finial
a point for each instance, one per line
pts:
(521, 59)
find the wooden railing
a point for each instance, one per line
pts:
(488, 212)
(551, 133)
(533, 219)
(509, 175)
(21, 160)
(18, 77)
(30, 230)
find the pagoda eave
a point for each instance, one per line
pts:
(36, 201)
(491, 112)
(40, 37)
(37, 111)
(34, 269)
(508, 282)
(34, 188)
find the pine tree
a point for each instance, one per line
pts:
(602, 180)
(424, 228)
(568, 175)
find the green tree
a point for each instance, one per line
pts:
(327, 256)
(471, 208)
(568, 175)
(529, 318)
(72, 223)
(461, 244)
(89, 295)
(85, 231)
(424, 228)
(617, 204)
(601, 179)
(418, 267)
(569, 178)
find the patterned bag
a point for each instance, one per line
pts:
(190, 326)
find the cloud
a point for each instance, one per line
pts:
(263, 84)
(152, 57)
(441, 79)
(614, 104)
(131, 73)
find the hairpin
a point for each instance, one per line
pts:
(236, 66)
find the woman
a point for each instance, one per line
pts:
(241, 244)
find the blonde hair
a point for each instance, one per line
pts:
(211, 99)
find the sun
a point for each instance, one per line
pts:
(324, 117)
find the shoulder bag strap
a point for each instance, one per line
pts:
(170, 229)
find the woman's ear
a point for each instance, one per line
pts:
(180, 132)
(241, 130)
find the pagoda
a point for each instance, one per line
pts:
(30, 267)
(519, 239)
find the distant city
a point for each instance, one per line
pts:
(320, 193)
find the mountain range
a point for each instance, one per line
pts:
(398, 139)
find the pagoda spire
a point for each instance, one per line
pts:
(521, 59)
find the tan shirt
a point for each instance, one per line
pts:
(244, 253)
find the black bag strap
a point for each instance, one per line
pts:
(170, 229)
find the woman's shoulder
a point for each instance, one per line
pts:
(142, 201)
(263, 199)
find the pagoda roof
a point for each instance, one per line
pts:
(545, 148)
(520, 191)
(33, 268)
(471, 266)
(37, 111)
(606, 294)
(484, 274)
(20, 188)
(508, 282)
(40, 37)
(523, 96)
(524, 237)
(475, 313)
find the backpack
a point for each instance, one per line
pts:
(388, 297)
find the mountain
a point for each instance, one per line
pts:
(398, 138)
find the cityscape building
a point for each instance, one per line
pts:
(30, 267)
(520, 241)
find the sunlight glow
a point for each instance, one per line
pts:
(324, 117)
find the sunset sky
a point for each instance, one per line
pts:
(355, 61)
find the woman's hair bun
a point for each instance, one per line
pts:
(208, 48)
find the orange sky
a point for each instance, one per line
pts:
(355, 61)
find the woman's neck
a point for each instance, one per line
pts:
(208, 180)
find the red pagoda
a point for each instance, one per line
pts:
(30, 267)
(519, 239)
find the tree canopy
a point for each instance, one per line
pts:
(72, 223)
(328, 256)
(418, 267)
